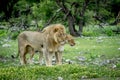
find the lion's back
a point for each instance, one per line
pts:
(32, 38)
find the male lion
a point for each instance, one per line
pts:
(44, 42)
(58, 53)
(56, 36)
(51, 28)
(56, 46)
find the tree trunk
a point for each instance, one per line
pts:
(71, 19)
(71, 26)
(80, 27)
(82, 13)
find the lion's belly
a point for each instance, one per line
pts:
(36, 44)
(61, 48)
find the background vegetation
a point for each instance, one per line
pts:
(75, 14)
(91, 57)
(95, 25)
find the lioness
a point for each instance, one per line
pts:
(28, 42)
(58, 54)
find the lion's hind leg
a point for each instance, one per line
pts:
(23, 56)
(22, 49)
(30, 50)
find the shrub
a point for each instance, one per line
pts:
(91, 31)
(97, 31)
(108, 30)
(3, 33)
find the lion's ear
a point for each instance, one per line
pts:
(55, 30)
(43, 30)
(55, 39)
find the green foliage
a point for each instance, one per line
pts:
(89, 47)
(3, 33)
(89, 17)
(97, 30)
(105, 13)
(20, 7)
(44, 10)
(108, 31)
(90, 31)
(14, 35)
(65, 71)
(41, 11)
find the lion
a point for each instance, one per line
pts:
(45, 42)
(28, 42)
(70, 40)
(51, 28)
(56, 46)
(58, 53)
(54, 40)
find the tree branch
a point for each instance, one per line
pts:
(85, 4)
(52, 18)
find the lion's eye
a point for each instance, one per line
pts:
(69, 40)
(59, 35)
(62, 34)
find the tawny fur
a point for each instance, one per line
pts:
(60, 48)
(46, 42)
(54, 28)
(28, 42)
(55, 37)
(58, 54)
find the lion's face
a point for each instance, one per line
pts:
(70, 40)
(60, 37)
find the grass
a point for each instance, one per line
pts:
(87, 46)
(67, 72)
(91, 48)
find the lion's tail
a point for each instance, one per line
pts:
(13, 56)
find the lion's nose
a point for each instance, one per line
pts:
(72, 44)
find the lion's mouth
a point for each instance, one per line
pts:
(62, 43)
(72, 44)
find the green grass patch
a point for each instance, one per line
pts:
(67, 72)
(91, 46)
(95, 50)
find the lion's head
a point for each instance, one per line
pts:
(70, 40)
(51, 29)
(55, 32)
(60, 37)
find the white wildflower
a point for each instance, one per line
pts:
(6, 45)
(118, 48)
(60, 78)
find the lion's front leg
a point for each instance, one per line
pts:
(48, 58)
(58, 56)
(41, 58)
